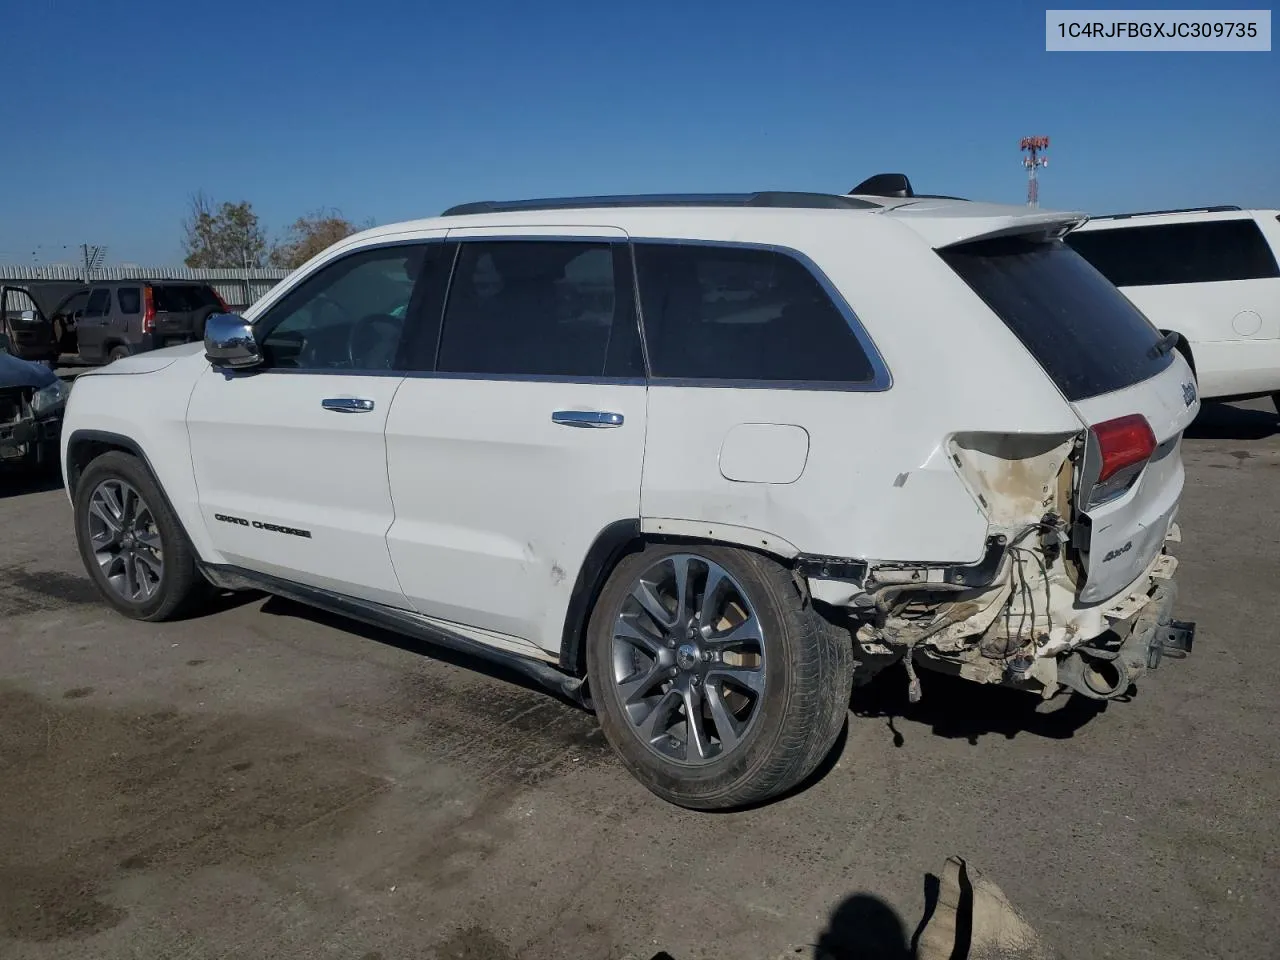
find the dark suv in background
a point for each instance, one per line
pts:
(124, 317)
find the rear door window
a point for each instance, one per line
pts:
(1207, 252)
(726, 313)
(1084, 332)
(536, 309)
(99, 303)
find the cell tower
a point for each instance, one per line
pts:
(1032, 146)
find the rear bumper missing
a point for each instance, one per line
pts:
(1105, 668)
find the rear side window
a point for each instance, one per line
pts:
(1084, 332)
(99, 303)
(130, 300)
(740, 314)
(1206, 252)
(531, 308)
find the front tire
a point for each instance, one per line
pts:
(725, 637)
(131, 544)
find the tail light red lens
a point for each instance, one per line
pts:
(222, 304)
(1124, 442)
(148, 310)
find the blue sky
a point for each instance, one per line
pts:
(395, 110)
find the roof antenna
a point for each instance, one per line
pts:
(885, 185)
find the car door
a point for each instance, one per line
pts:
(289, 458)
(91, 328)
(522, 439)
(28, 328)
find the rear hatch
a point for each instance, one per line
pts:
(181, 308)
(1129, 387)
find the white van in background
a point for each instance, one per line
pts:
(1210, 275)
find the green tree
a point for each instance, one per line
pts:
(310, 235)
(223, 234)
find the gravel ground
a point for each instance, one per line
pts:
(266, 781)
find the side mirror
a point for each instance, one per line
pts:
(229, 342)
(28, 316)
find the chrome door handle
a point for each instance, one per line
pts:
(347, 405)
(586, 418)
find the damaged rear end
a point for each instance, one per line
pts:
(1075, 588)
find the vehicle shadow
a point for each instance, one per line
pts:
(279, 606)
(955, 708)
(22, 482)
(1226, 421)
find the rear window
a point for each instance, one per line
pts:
(182, 299)
(1207, 252)
(1084, 332)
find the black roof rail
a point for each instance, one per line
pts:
(766, 198)
(1222, 208)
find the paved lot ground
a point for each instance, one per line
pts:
(270, 782)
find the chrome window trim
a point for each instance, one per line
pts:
(882, 378)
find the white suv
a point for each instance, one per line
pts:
(699, 462)
(1209, 276)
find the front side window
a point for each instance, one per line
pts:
(1210, 251)
(349, 315)
(531, 308)
(743, 314)
(99, 303)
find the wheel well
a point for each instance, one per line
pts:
(612, 544)
(86, 446)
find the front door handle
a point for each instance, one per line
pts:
(347, 404)
(586, 418)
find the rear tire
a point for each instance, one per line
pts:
(767, 677)
(117, 353)
(131, 544)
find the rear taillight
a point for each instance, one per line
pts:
(1124, 446)
(148, 310)
(222, 304)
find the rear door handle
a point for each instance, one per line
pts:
(347, 404)
(586, 418)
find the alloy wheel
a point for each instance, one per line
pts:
(125, 541)
(688, 658)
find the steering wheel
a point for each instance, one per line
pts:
(377, 329)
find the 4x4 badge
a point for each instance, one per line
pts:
(1189, 393)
